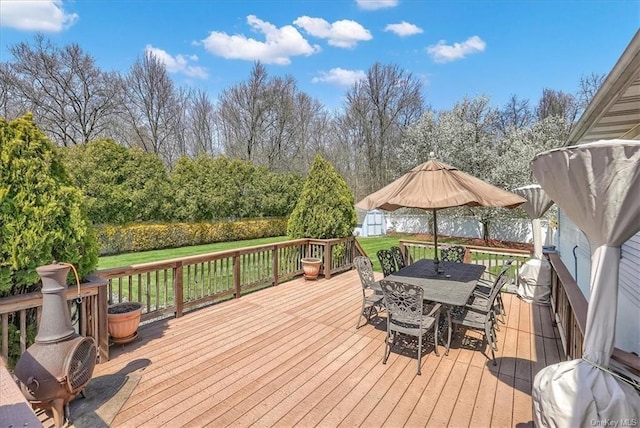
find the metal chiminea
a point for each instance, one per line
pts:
(60, 363)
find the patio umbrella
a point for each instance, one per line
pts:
(435, 185)
(597, 186)
(534, 276)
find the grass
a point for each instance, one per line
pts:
(153, 288)
(370, 246)
(107, 262)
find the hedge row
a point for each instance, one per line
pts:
(144, 237)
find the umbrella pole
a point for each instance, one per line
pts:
(436, 262)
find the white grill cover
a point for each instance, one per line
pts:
(534, 277)
(598, 187)
(538, 202)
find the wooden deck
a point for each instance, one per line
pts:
(291, 356)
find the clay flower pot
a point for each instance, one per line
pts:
(311, 267)
(123, 320)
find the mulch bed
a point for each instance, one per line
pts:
(492, 243)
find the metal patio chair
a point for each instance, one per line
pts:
(387, 261)
(479, 317)
(399, 257)
(406, 315)
(482, 292)
(453, 253)
(372, 298)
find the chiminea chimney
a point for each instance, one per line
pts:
(60, 363)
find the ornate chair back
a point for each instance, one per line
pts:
(453, 253)
(387, 261)
(397, 254)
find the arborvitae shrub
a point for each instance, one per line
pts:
(325, 208)
(120, 184)
(41, 214)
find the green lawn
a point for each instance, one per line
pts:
(106, 262)
(370, 246)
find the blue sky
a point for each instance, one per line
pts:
(457, 48)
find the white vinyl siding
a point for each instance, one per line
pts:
(577, 260)
(628, 315)
(628, 320)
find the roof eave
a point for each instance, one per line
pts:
(623, 74)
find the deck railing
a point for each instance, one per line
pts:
(90, 315)
(570, 308)
(178, 285)
(172, 287)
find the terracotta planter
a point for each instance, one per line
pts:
(123, 320)
(311, 267)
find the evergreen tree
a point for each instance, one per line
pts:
(325, 208)
(121, 185)
(41, 214)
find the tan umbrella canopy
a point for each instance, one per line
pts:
(434, 185)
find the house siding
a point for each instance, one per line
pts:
(628, 321)
(628, 315)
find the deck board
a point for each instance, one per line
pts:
(291, 356)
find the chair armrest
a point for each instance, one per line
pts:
(376, 286)
(478, 305)
(483, 288)
(435, 310)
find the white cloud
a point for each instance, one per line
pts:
(340, 76)
(441, 52)
(376, 4)
(403, 29)
(35, 15)
(341, 34)
(179, 63)
(279, 46)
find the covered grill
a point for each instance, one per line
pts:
(60, 363)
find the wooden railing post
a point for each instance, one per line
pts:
(275, 265)
(5, 337)
(178, 288)
(236, 275)
(327, 259)
(102, 335)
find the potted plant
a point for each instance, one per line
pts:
(311, 267)
(325, 210)
(123, 320)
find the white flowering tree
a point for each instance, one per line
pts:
(473, 138)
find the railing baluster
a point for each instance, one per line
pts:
(23, 330)
(5, 337)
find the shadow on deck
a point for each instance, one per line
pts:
(290, 356)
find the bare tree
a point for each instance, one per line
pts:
(71, 98)
(377, 109)
(202, 123)
(268, 121)
(242, 115)
(516, 114)
(560, 104)
(11, 104)
(589, 86)
(153, 107)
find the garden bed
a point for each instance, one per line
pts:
(492, 243)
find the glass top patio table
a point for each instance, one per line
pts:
(452, 287)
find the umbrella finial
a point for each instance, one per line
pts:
(432, 155)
